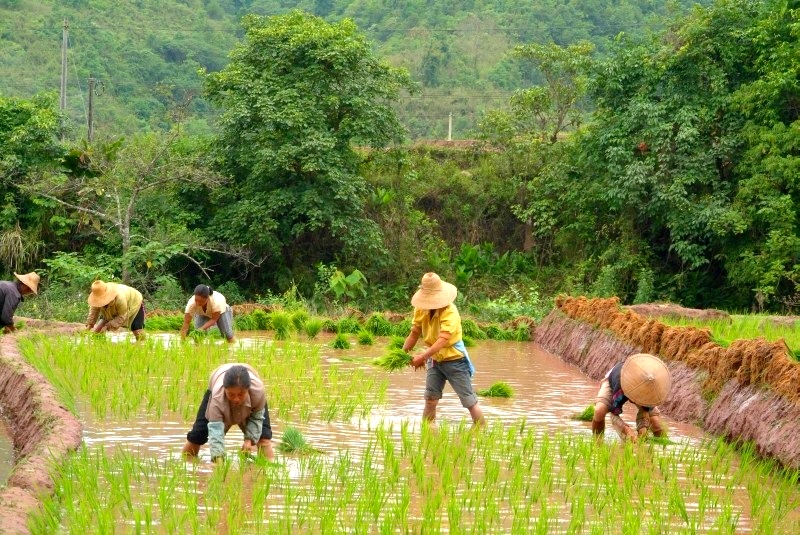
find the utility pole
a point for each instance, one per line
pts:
(89, 115)
(64, 43)
(450, 127)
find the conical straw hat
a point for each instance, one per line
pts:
(31, 280)
(433, 293)
(102, 293)
(645, 380)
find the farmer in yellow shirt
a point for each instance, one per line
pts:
(113, 305)
(437, 320)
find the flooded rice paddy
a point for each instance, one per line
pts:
(375, 468)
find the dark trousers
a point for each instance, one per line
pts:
(199, 432)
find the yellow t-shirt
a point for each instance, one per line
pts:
(445, 319)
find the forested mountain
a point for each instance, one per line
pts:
(145, 54)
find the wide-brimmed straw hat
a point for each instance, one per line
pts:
(31, 280)
(645, 380)
(102, 293)
(433, 293)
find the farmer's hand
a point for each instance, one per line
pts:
(642, 432)
(418, 361)
(248, 446)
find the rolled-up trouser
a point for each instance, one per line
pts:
(457, 373)
(224, 322)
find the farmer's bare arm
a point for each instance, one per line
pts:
(211, 321)
(187, 318)
(441, 342)
(412, 338)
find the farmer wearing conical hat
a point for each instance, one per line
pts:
(641, 379)
(436, 318)
(113, 305)
(12, 293)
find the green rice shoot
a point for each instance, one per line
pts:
(341, 342)
(394, 359)
(497, 390)
(585, 416)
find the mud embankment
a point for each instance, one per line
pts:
(748, 391)
(42, 430)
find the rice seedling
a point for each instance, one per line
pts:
(293, 442)
(396, 342)
(341, 342)
(468, 341)
(281, 322)
(585, 416)
(164, 323)
(348, 325)
(402, 328)
(260, 320)
(244, 322)
(330, 326)
(497, 390)
(378, 325)
(471, 329)
(365, 338)
(312, 327)
(394, 359)
(299, 318)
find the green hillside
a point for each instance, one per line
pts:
(145, 54)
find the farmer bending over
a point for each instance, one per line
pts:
(436, 318)
(209, 308)
(12, 293)
(642, 379)
(235, 396)
(112, 306)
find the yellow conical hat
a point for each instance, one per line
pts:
(645, 380)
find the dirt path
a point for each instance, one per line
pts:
(42, 430)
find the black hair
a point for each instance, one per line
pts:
(203, 290)
(237, 376)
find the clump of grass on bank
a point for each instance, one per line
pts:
(497, 390)
(341, 342)
(744, 327)
(394, 359)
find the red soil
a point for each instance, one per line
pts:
(42, 430)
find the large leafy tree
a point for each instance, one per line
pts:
(299, 96)
(28, 147)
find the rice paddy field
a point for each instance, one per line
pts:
(372, 465)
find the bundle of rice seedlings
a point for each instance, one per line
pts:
(379, 325)
(402, 328)
(281, 323)
(293, 441)
(396, 342)
(365, 338)
(497, 390)
(198, 336)
(585, 416)
(312, 327)
(341, 342)
(394, 359)
(468, 342)
(244, 323)
(330, 326)
(299, 318)
(348, 325)
(260, 319)
(472, 330)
